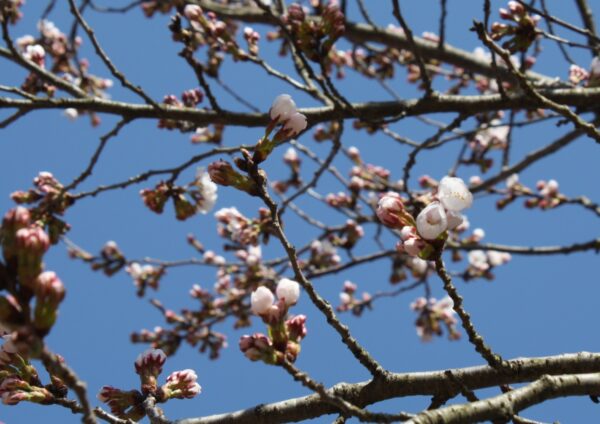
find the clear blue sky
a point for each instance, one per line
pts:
(536, 306)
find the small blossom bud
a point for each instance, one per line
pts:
(283, 108)
(150, 362)
(181, 385)
(192, 12)
(296, 328)
(432, 221)
(49, 289)
(454, 194)
(295, 124)
(261, 300)
(288, 291)
(257, 347)
(391, 212)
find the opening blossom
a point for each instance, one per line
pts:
(432, 221)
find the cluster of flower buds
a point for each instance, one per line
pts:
(524, 31)
(369, 177)
(440, 216)
(285, 333)
(349, 302)
(207, 29)
(252, 38)
(202, 191)
(577, 74)
(145, 276)
(190, 99)
(481, 263)
(283, 111)
(549, 196)
(19, 379)
(323, 255)
(432, 315)
(148, 365)
(24, 244)
(340, 200)
(241, 230)
(50, 200)
(293, 161)
(54, 44)
(514, 189)
(316, 37)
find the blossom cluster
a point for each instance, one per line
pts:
(440, 215)
(432, 315)
(285, 333)
(149, 365)
(523, 30)
(52, 43)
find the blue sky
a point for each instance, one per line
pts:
(535, 306)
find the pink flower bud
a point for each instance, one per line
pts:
(390, 210)
(288, 291)
(192, 12)
(33, 240)
(261, 300)
(49, 289)
(432, 221)
(295, 124)
(454, 194)
(283, 108)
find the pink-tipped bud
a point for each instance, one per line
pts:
(49, 289)
(150, 362)
(192, 12)
(181, 385)
(390, 210)
(296, 328)
(256, 347)
(32, 240)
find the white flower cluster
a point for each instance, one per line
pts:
(262, 298)
(453, 196)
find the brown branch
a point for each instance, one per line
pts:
(410, 384)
